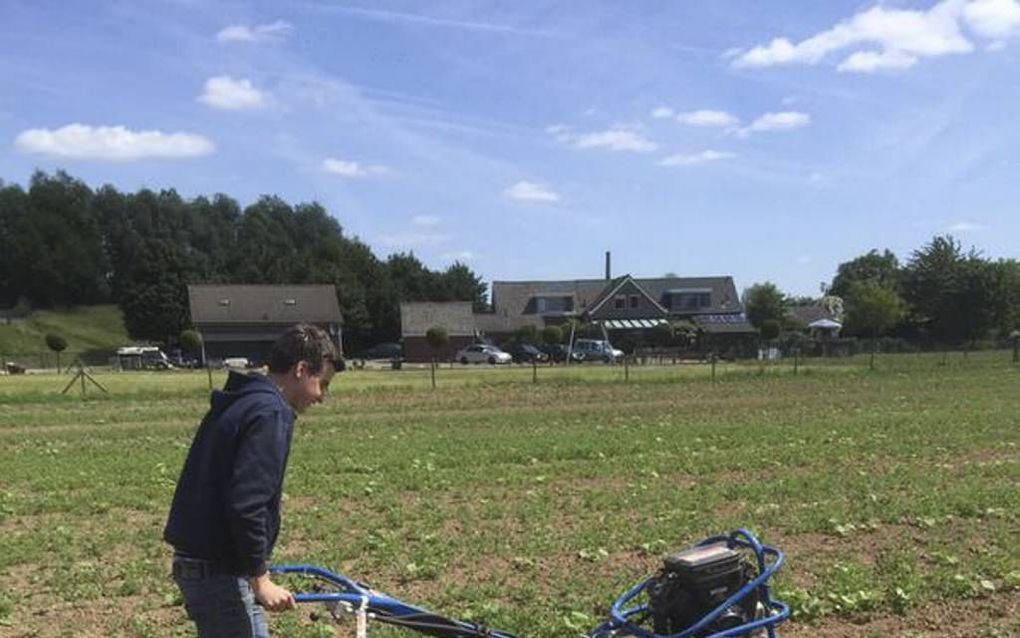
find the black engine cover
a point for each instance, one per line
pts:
(694, 582)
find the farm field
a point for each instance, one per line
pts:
(531, 506)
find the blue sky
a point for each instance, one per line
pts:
(764, 140)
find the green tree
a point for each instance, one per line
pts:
(552, 335)
(526, 334)
(155, 301)
(770, 329)
(953, 295)
(437, 337)
(764, 302)
(191, 341)
(57, 255)
(57, 344)
(882, 268)
(872, 309)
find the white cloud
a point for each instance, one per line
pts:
(698, 158)
(897, 39)
(662, 112)
(531, 192)
(781, 121)
(965, 227)
(224, 92)
(425, 220)
(869, 61)
(258, 33)
(708, 118)
(347, 168)
(993, 19)
(617, 138)
(114, 143)
(461, 256)
(411, 239)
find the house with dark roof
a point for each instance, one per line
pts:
(416, 318)
(622, 304)
(245, 320)
(622, 308)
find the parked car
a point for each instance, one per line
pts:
(597, 350)
(558, 353)
(237, 363)
(527, 353)
(386, 350)
(482, 353)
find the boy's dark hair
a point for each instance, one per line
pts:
(304, 342)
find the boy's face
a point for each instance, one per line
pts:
(305, 388)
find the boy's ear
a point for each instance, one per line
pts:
(300, 369)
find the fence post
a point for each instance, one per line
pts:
(626, 369)
(1016, 346)
(796, 360)
(534, 370)
(208, 369)
(433, 369)
(714, 358)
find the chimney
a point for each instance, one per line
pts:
(609, 270)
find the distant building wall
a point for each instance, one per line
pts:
(418, 350)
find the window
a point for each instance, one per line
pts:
(620, 302)
(633, 301)
(553, 304)
(693, 300)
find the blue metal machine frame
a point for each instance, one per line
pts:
(355, 597)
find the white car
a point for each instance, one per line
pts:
(597, 350)
(482, 353)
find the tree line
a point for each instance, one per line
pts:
(943, 294)
(63, 244)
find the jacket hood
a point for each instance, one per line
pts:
(239, 386)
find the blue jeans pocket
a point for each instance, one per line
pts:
(223, 607)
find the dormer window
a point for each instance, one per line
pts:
(687, 300)
(290, 302)
(224, 302)
(553, 303)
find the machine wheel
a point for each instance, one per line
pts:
(492, 360)
(463, 360)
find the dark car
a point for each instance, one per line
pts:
(386, 350)
(558, 353)
(527, 353)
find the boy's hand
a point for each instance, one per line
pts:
(270, 595)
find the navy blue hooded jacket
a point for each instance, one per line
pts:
(227, 504)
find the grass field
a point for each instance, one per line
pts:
(893, 492)
(87, 329)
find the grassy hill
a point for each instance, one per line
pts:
(86, 329)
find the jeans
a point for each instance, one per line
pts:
(223, 606)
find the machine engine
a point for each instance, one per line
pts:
(692, 583)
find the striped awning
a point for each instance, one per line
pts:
(631, 324)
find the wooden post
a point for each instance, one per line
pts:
(626, 369)
(1016, 347)
(796, 360)
(714, 357)
(208, 369)
(433, 369)
(534, 370)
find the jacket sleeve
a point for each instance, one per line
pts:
(255, 480)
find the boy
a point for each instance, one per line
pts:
(225, 514)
